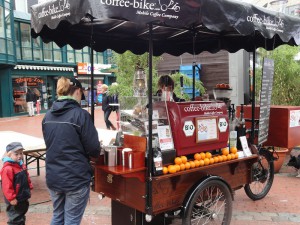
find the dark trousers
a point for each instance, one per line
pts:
(16, 213)
(106, 118)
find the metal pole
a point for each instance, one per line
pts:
(253, 102)
(92, 76)
(150, 112)
(194, 75)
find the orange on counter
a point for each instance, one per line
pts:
(224, 158)
(165, 170)
(177, 168)
(208, 155)
(197, 163)
(211, 161)
(201, 162)
(183, 159)
(197, 156)
(229, 157)
(172, 169)
(178, 160)
(182, 166)
(233, 150)
(225, 151)
(187, 165)
(220, 158)
(206, 161)
(216, 159)
(202, 155)
(236, 155)
(193, 165)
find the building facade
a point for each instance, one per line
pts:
(27, 63)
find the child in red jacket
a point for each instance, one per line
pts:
(16, 184)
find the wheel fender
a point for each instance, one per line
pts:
(268, 154)
(198, 185)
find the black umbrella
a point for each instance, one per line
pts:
(162, 26)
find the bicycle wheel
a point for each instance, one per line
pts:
(262, 177)
(211, 204)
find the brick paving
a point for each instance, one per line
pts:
(280, 206)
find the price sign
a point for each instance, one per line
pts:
(222, 124)
(188, 128)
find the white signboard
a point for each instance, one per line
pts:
(206, 129)
(245, 146)
(188, 128)
(222, 124)
(294, 118)
(165, 137)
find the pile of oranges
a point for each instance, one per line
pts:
(200, 159)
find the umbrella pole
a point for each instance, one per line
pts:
(92, 76)
(150, 112)
(253, 102)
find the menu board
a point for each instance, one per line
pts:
(206, 129)
(265, 100)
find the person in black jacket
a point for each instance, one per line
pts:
(30, 99)
(166, 87)
(71, 139)
(106, 100)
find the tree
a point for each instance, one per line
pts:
(286, 75)
(127, 64)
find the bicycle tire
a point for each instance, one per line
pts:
(261, 177)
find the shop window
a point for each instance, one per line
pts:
(2, 44)
(48, 51)
(7, 20)
(21, 5)
(57, 53)
(2, 33)
(70, 54)
(78, 55)
(86, 54)
(37, 49)
(20, 86)
(17, 40)
(10, 47)
(25, 41)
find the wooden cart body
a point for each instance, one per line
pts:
(169, 192)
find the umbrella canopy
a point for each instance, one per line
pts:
(191, 26)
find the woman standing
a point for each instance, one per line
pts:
(71, 139)
(106, 100)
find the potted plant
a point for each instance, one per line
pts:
(279, 155)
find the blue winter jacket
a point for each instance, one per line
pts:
(71, 139)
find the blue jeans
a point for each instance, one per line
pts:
(68, 207)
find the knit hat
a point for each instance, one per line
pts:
(14, 146)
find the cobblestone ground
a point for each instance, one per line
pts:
(280, 206)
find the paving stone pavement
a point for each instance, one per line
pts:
(280, 206)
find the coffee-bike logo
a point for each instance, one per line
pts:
(161, 5)
(275, 24)
(60, 8)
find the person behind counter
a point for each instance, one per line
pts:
(71, 139)
(165, 89)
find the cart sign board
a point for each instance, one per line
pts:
(188, 128)
(222, 124)
(265, 100)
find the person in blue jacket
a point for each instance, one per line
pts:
(71, 140)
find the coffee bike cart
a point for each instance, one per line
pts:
(139, 193)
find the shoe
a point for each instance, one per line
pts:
(108, 128)
(113, 127)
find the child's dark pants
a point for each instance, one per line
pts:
(16, 213)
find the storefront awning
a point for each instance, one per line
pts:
(47, 68)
